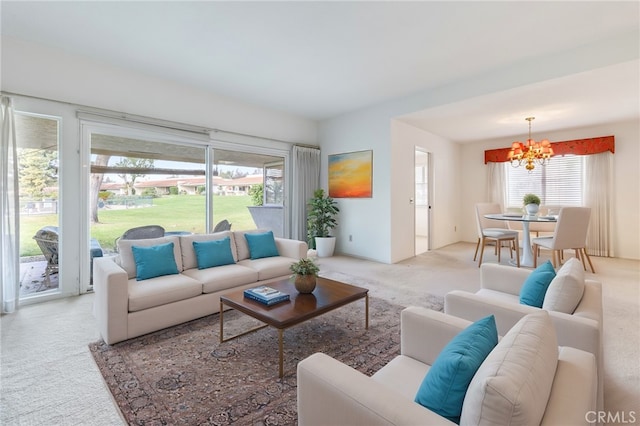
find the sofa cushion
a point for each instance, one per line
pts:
(161, 290)
(222, 277)
(513, 384)
(242, 248)
(403, 375)
(213, 253)
(126, 260)
(154, 261)
(269, 267)
(535, 286)
(189, 259)
(445, 385)
(261, 245)
(566, 289)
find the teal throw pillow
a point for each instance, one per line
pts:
(213, 253)
(536, 285)
(445, 385)
(261, 245)
(154, 261)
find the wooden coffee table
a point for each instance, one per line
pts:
(327, 296)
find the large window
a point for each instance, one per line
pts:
(560, 182)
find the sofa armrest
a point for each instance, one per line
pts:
(424, 332)
(574, 331)
(472, 307)
(292, 248)
(590, 305)
(332, 393)
(506, 279)
(111, 303)
(573, 398)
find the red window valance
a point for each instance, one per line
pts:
(577, 147)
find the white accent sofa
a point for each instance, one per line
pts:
(127, 308)
(499, 295)
(518, 383)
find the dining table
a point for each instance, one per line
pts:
(527, 252)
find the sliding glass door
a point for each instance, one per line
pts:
(37, 138)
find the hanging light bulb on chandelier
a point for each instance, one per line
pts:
(531, 153)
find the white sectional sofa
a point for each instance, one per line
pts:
(126, 307)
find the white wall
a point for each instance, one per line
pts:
(382, 227)
(626, 197)
(39, 71)
(365, 219)
(36, 70)
(379, 227)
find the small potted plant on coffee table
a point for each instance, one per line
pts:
(305, 271)
(531, 203)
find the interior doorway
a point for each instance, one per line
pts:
(422, 203)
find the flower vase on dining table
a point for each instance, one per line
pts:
(531, 204)
(532, 209)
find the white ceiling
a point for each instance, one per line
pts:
(323, 59)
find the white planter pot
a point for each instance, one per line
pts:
(325, 246)
(532, 209)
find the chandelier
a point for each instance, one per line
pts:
(531, 153)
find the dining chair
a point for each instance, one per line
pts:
(545, 227)
(570, 234)
(495, 231)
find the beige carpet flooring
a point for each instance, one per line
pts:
(47, 375)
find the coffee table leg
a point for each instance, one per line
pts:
(221, 322)
(366, 311)
(280, 344)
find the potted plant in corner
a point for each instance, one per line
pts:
(321, 219)
(305, 275)
(531, 204)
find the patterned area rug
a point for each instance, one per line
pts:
(183, 375)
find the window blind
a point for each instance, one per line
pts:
(560, 182)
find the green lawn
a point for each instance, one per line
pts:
(173, 212)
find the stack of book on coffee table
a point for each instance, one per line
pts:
(267, 295)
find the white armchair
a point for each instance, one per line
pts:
(499, 295)
(332, 393)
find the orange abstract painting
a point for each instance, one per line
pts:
(351, 174)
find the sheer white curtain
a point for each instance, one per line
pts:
(496, 183)
(598, 187)
(306, 179)
(9, 231)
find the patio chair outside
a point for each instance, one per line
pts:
(223, 225)
(141, 233)
(47, 239)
